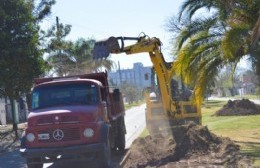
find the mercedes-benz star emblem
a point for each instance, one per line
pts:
(58, 134)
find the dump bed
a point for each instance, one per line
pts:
(102, 77)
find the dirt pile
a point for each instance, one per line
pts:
(191, 146)
(239, 107)
(150, 151)
(193, 138)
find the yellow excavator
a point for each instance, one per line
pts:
(170, 105)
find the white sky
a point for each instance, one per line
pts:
(100, 19)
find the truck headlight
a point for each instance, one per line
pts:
(30, 137)
(88, 132)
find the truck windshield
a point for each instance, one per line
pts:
(64, 94)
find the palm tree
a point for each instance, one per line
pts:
(206, 44)
(81, 51)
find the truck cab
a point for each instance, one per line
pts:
(73, 117)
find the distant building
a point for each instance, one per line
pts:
(247, 84)
(6, 113)
(139, 76)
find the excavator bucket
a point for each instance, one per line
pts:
(103, 48)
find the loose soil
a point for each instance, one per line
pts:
(238, 108)
(192, 146)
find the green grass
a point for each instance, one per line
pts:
(247, 96)
(244, 130)
(144, 133)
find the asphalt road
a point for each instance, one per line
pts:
(135, 123)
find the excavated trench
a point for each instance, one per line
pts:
(187, 146)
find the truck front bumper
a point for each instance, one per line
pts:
(72, 150)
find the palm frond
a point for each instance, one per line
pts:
(255, 37)
(191, 6)
(206, 44)
(234, 43)
(195, 27)
(203, 77)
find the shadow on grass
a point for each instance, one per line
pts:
(250, 148)
(213, 103)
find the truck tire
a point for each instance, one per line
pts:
(31, 163)
(120, 138)
(105, 156)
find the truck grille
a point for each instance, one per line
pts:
(65, 119)
(68, 134)
(45, 120)
(62, 119)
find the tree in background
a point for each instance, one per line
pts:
(252, 78)
(72, 58)
(81, 51)
(58, 49)
(224, 82)
(20, 55)
(130, 92)
(205, 45)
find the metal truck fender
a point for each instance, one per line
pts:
(105, 128)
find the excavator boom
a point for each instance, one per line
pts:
(170, 107)
(104, 48)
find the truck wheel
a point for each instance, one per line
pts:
(32, 163)
(120, 139)
(105, 156)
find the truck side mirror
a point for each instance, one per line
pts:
(116, 95)
(105, 117)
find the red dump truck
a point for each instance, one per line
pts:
(76, 117)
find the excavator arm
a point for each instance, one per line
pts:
(168, 109)
(104, 48)
(144, 44)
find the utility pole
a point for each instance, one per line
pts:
(58, 28)
(119, 70)
(58, 34)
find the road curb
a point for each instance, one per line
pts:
(122, 163)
